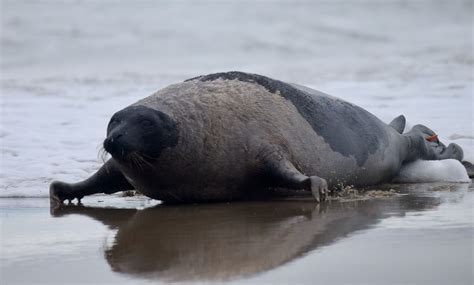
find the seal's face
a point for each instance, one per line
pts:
(139, 132)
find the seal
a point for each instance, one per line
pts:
(234, 135)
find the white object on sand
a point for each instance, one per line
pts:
(426, 171)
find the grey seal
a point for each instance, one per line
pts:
(234, 135)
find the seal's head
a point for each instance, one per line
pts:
(139, 131)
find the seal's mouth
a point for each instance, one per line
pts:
(121, 153)
(116, 149)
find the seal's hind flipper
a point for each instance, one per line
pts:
(423, 143)
(398, 124)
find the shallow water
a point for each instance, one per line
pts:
(421, 235)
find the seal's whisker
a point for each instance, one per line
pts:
(146, 155)
(102, 154)
(139, 155)
(134, 159)
(141, 161)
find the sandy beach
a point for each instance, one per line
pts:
(421, 234)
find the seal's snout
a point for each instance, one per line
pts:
(113, 144)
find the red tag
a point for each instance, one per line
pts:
(433, 138)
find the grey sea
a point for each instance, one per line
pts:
(67, 66)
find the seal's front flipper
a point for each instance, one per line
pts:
(398, 124)
(284, 174)
(108, 179)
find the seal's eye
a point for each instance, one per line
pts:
(146, 123)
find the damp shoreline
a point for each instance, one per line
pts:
(414, 233)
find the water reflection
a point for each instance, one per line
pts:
(229, 241)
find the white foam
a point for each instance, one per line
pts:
(427, 171)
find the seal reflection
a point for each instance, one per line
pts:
(229, 241)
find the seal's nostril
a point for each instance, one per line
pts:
(113, 143)
(108, 142)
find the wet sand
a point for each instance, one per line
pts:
(417, 234)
